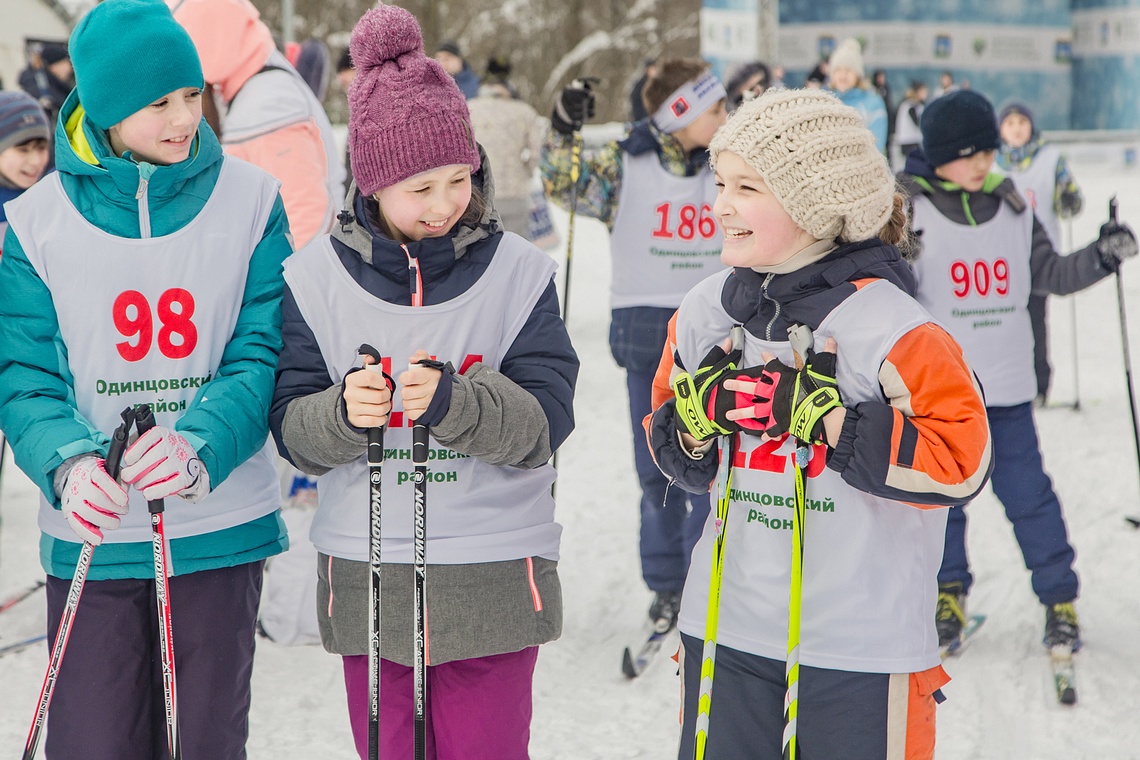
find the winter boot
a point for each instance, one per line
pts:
(950, 616)
(663, 612)
(1061, 626)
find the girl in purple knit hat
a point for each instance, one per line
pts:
(419, 266)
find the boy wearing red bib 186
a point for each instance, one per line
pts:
(654, 192)
(147, 269)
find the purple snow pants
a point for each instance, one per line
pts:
(108, 702)
(478, 709)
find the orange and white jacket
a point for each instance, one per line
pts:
(915, 439)
(270, 116)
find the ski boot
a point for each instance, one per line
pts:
(1061, 627)
(664, 610)
(950, 617)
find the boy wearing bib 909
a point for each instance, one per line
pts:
(654, 192)
(811, 221)
(147, 269)
(420, 266)
(982, 252)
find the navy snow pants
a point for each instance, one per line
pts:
(1024, 489)
(671, 519)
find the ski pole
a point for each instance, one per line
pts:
(802, 341)
(144, 421)
(1112, 204)
(419, 570)
(20, 646)
(1073, 331)
(575, 173)
(111, 464)
(375, 468)
(712, 617)
(15, 599)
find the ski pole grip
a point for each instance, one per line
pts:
(144, 421)
(375, 435)
(1112, 204)
(802, 341)
(113, 462)
(419, 444)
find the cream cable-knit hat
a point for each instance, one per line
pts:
(817, 157)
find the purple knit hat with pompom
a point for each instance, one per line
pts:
(406, 115)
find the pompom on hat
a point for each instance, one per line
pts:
(817, 157)
(406, 114)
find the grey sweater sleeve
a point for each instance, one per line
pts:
(494, 419)
(316, 436)
(1062, 275)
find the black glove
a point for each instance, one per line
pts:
(700, 399)
(1071, 202)
(1116, 243)
(574, 107)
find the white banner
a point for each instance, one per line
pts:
(729, 35)
(996, 47)
(1106, 31)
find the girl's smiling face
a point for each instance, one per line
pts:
(757, 230)
(162, 132)
(427, 205)
(23, 164)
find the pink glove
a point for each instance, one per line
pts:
(92, 500)
(162, 463)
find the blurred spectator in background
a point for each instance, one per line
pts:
(345, 74)
(268, 114)
(499, 73)
(454, 63)
(48, 77)
(908, 133)
(777, 78)
(637, 111)
(883, 87)
(311, 60)
(945, 84)
(746, 81)
(24, 141)
(849, 83)
(345, 71)
(818, 76)
(511, 133)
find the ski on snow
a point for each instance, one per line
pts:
(955, 648)
(634, 664)
(1064, 676)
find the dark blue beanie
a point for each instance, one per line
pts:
(1016, 106)
(958, 125)
(128, 54)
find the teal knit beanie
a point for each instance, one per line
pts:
(128, 54)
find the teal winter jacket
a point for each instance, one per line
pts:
(37, 401)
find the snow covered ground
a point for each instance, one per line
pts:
(1000, 703)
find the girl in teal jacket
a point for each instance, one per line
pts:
(147, 270)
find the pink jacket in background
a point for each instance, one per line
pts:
(270, 117)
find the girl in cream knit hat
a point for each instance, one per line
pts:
(895, 420)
